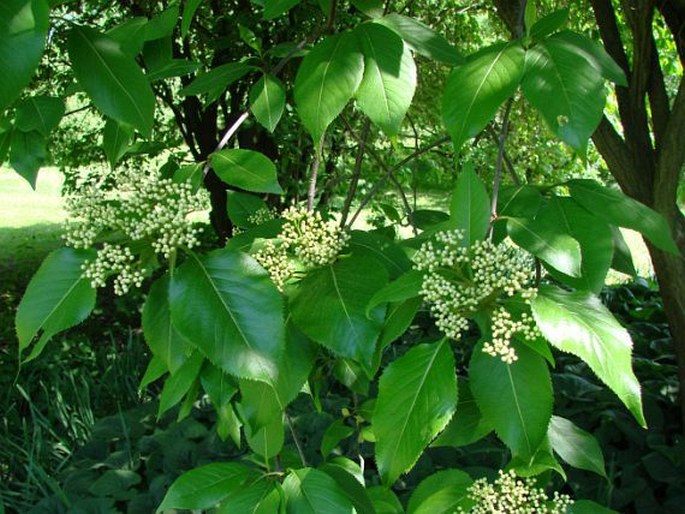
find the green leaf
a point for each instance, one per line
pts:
(578, 323)
(130, 35)
(595, 55)
(116, 139)
(310, 491)
(172, 68)
(226, 305)
(350, 478)
(519, 201)
(180, 383)
(275, 8)
(260, 497)
(398, 319)
(384, 500)
(329, 307)
(548, 24)
(206, 486)
(530, 16)
(115, 483)
(336, 432)
(468, 425)
(588, 507)
(326, 80)
(618, 209)
(246, 169)
(23, 30)
(57, 298)
(622, 260)
(161, 336)
(268, 440)
(228, 424)
(417, 397)
(443, 492)
(577, 447)
(267, 101)
(389, 79)
(163, 24)
(593, 235)
(27, 154)
(566, 89)
(259, 405)
(470, 206)
(421, 38)
(475, 90)
(241, 206)
(111, 78)
(155, 369)
(189, 10)
(219, 386)
(542, 461)
(381, 249)
(5, 142)
(372, 8)
(544, 239)
(405, 287)
(193, 173)
(216, 80)
(41, 113)
(516, 398)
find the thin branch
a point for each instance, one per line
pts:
(296, 440)
(498, 169)
(316, 162)
(356, 173)
(80, 109)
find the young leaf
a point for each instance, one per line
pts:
(216, 79)
(577, 447)
(23, 30)
(442, 492)
(116, 139)
(27, 154)
(516, 398)
(619, 209)
(420, 390)
(246, 169)
(111, 78)
(470, 206)
(57, 298)
(421, 38)
(41, 113)
(227, 306)
(267, 101)
(329, 306)
(389, 80)
(475, 90)
(171, 68)
(578, 323)
(545, 239)
(178, 384)
(161, 336)
(204, 487)
(397, 320)
(326, 80)
(566, 89)
(241, 206)
(275, 8)
(549, 24)
(310, 491)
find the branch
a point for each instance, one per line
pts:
(658, 97)
(671, 156)
(356, 173)
(316, 162)
(504, 131)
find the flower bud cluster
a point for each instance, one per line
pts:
(141, 208)
(462, 280)
(504, 328)
(273, 258)
(509, 494)
(260, 216)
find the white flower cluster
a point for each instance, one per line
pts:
(141, 208)
(511, 495)
(504, 328)
(462, 280)
(305, 236)
(260, 216)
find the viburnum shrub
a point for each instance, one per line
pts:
(297, 305)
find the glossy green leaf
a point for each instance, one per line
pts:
(275, 8)
(422, 38)
(219, 385)
(592, 233)
(382, 249)
(398, 319)
(468, 425)
(470, 206)
(172, 68)
(267, 101)
(443, 492)
(156, 368)
(41, 113)
(206, 486)
(542, 461)
(549, 24)
(519, 201)
(260, 497)
(516, 398)
(246, 169)
(163, 24)
(240, 206)
(259, 405)
(578, 323)
(112, 79)
(372, 8)
(566, 89)
(193, 174)
(268, 440)
(595, 55)
(350, 478)
(405, 287)
(23, 31)
(28, 154)
(326, 80)
(420, 390)
(228, 424)
(310, 491)
(57, 298)
(130, 35)
(618, 209)
(116, 139)
(588, 507)
(622, 260)
(575, 446)
(216, 79)
(227, 306)
(189, 9)
(389, 79)
(329, 306)
(161, 336)
(352, 376)
(384, 500)
(336, 432)
(475, 90)
(545, 239)
(180, 383)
